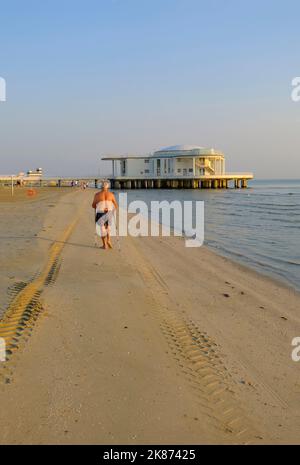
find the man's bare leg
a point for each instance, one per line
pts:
(104, 242)
(109, 242)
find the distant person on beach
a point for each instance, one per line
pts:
(104, 204)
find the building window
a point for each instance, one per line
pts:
(147, 161)
(179, 170)
(158, 167)
(190, 170)
(146, 171)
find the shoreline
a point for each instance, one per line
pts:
(147, 344)
(250, 227)
(279, 281)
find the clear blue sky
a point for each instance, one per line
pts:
(86, 78)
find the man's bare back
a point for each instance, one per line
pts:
(104, 202)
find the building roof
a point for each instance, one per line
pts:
(125, 157)
(173, 151)
(186, 151)
(181, 148)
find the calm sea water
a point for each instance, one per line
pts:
(258, 226)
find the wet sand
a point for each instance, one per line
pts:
(155, 343)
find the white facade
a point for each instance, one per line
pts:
(181, 161)
(132, 167)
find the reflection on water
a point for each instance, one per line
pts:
(258, 226)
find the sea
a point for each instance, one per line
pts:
(258, 226)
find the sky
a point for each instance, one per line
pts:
(90, 78)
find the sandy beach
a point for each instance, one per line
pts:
(154, 343)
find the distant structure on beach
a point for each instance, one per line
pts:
(179, 166)
(36, 174)
(23, 178)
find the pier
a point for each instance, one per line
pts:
(224, 182)
(236, 181)
(213, 182)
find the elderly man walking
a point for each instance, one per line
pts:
(104, 204)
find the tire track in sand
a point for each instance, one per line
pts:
(198, 357)
(19, 318)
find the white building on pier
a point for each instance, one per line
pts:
(176, 163)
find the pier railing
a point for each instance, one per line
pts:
(148, 176)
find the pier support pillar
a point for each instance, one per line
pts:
(244, 183)
(117, 185)
(215, 183)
